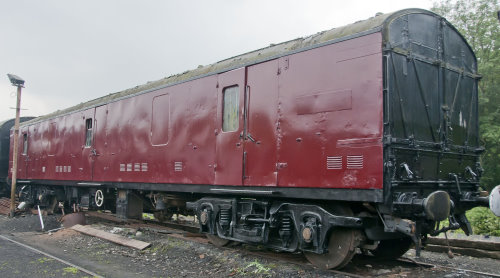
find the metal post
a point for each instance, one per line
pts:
(16, 151)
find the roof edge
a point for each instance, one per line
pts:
(359, 28)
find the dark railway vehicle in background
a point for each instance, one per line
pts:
(363, 136)
(5, 128)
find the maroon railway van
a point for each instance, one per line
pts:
(360, 137)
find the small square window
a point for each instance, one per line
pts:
(230, 112)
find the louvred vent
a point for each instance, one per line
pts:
(354, 162)
(178, 166)
(334, 162)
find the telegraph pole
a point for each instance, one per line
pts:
(19, 83)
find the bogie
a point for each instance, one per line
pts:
(319, 233)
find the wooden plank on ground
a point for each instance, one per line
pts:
(464, 243)
(160, 231)
(464, 251)
(137, 244)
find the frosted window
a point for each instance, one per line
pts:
(88, 132)
(25, 144)
(230, 118)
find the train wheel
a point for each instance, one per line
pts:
(163, 215)
(216, 240)
(52, 205)
(342, 245)
(392, 248)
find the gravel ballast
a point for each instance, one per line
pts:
(171, 255)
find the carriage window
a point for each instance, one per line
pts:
(25, 144)
(230, 114)
(88, 132)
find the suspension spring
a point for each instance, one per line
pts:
(285, 230)
(225, 217)
(286, 226)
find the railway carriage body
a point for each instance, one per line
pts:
(370, 128)
(5, 128)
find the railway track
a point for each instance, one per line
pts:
(428, 265)
(38, 251)
(358, 268)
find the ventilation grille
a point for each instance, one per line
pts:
(334, 162)
(137, 167)
(60, 169)
(354, 162)
(131, 167)
(178, 166)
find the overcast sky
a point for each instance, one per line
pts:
(74, 51)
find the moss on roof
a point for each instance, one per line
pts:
(270, 52)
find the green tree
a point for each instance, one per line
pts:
(478, 23)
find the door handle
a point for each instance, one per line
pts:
(249, 137)
(244, 170)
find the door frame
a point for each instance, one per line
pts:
(229, 149)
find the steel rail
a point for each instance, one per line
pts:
(190, 228)
(273, 256)
(194, 230)
(408, 260)
(52, 257)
